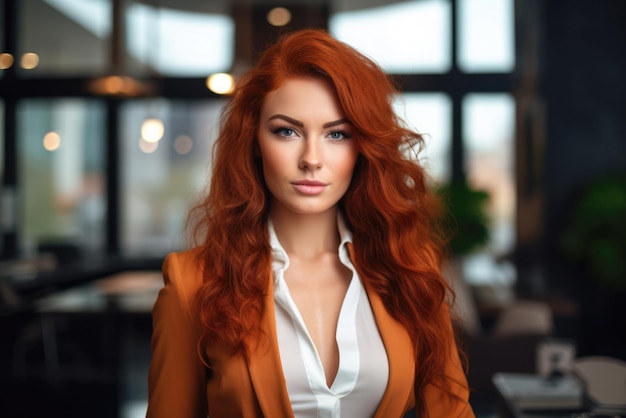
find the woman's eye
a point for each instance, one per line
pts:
(337, 135)
(286, 132)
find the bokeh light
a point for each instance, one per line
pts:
(29, 61)
(152, 130)
(51, 141)
(6, 61)
(279, 16)
(148, 147)
(221, 83)
(183, 144)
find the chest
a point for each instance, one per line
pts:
(346, 370)
(318, 292)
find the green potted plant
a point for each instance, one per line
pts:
(466, 219)
(596, 236)
(466, 225)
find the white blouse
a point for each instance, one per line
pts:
(363, 366)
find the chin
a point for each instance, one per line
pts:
(308, 210)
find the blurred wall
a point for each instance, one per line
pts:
(584, 86)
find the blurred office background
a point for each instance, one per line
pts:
(107, 119)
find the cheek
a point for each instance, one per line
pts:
(346, 163)
(273, 160)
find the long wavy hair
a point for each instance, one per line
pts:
(388, 205)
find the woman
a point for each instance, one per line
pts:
(315, 289)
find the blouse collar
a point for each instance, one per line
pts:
(280, 259)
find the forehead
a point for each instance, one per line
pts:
(299, 97)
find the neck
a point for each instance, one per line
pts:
(306, 236)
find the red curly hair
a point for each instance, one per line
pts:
(388, 205)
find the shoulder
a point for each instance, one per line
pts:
(184, 271)
(188, 260)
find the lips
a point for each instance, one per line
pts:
(309, 187)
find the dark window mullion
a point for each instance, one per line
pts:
(112, 171)
(9, 189)
(456, 96)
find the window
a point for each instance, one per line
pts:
(75, 38)
(488, 133)
(61, 180)
(430, 115)
(485, 36)
(408, 37)
(160, 180)
(179, 43)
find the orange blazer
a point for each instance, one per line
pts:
(178, 382)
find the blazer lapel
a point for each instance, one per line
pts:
(400, 355)
(265, 366)
(401, 361)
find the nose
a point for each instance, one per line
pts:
(311, 158)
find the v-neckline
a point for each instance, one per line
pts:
(347, 370)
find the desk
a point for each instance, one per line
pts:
(99, 310)
(513, 389)
(24, 282)
(506, 409)
(92, 338)
(130, 292)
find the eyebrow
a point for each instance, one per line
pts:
(300, 124)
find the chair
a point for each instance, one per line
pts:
(605, 379)
(524, 317)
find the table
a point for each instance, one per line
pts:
(509, 404)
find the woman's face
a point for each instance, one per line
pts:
(306, 147)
